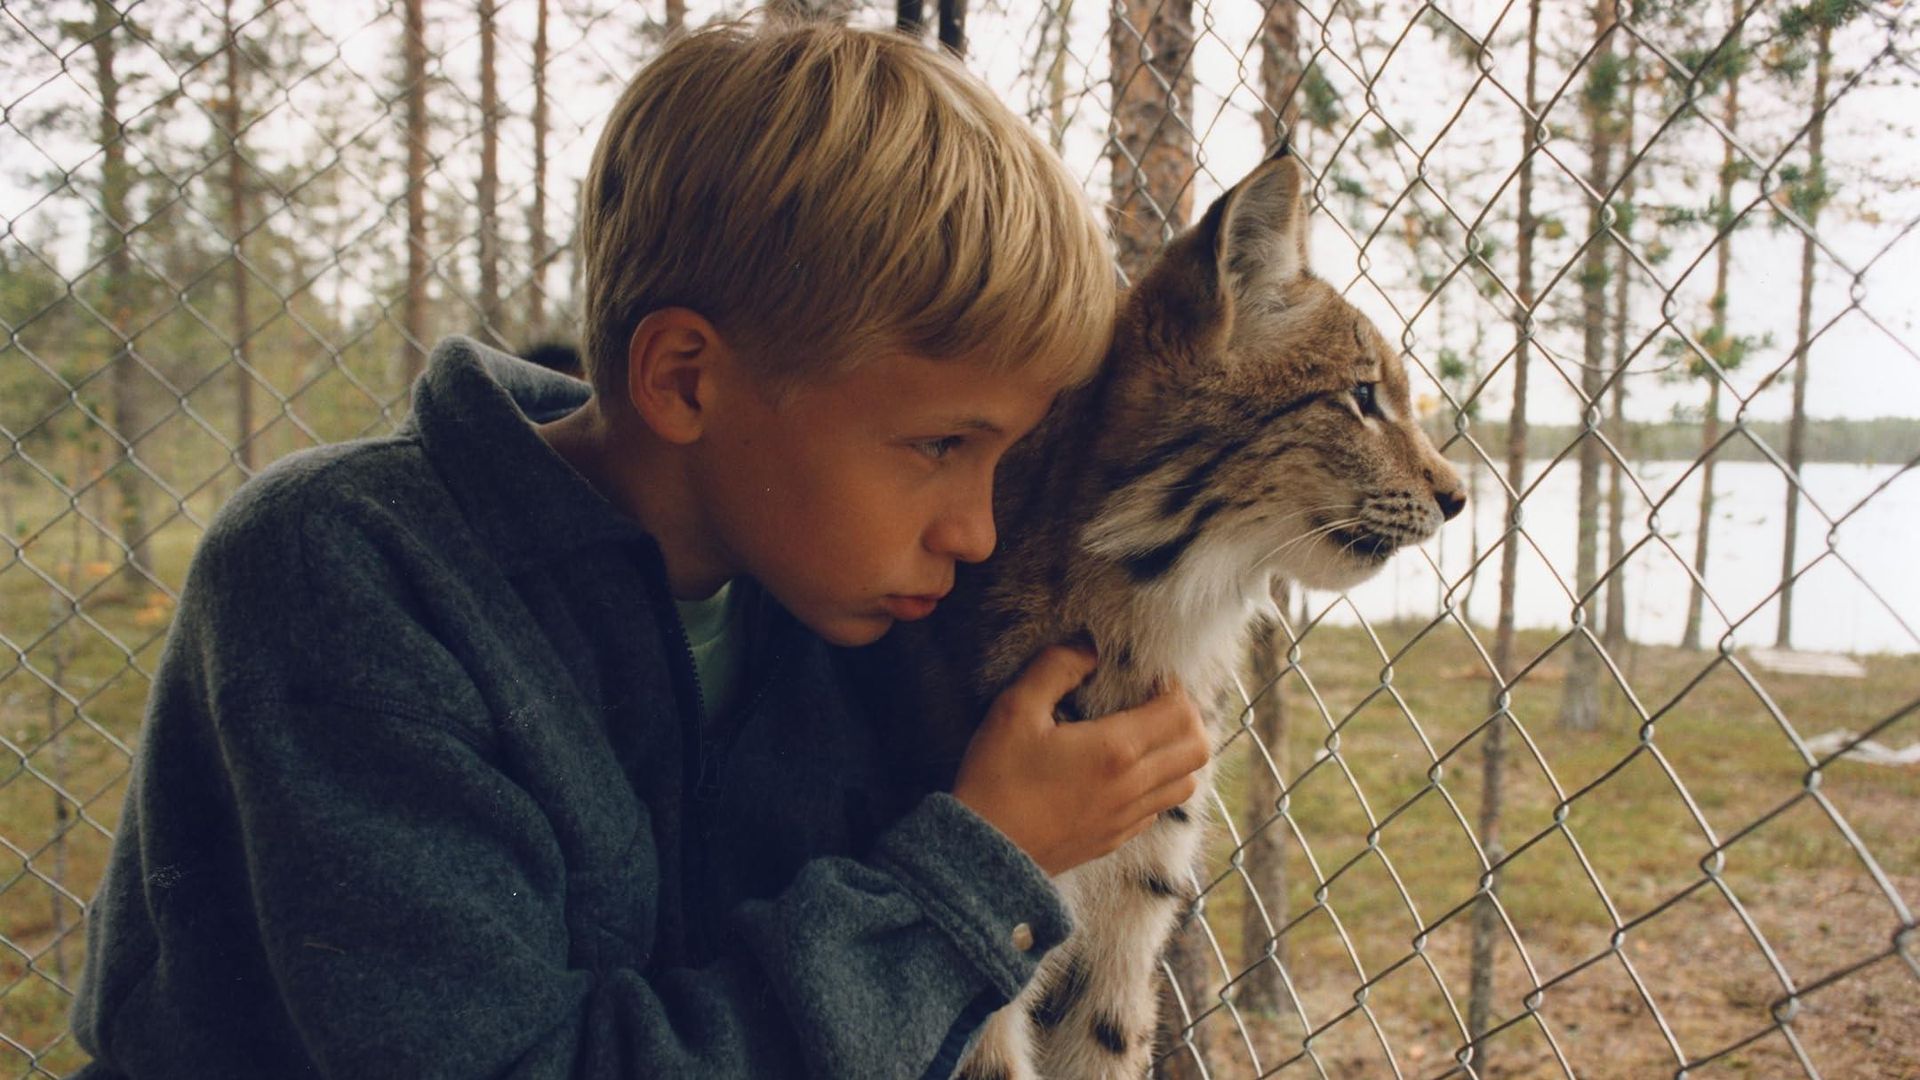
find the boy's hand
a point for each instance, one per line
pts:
(1069, 793)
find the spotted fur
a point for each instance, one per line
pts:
(1225, 442)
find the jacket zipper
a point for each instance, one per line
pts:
(706, 784)
(706, 778)
(693, 831)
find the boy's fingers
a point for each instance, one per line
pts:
(1168, 720)
(1177, 757)
(1164, 797)
(1051, 676)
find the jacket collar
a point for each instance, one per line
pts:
(473, 412)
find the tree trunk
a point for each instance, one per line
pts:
(1615, 635)
(1152, 150)
(244, 450)
(1265, 853)
(676, 15)
(116, 186)
(1709, 434)
(953, 26)
(1281, 70)
(65, 611)
(414, 311)
(1797, 421)
(1486, 921)
(1152, 163)
(1580, 691)
(492, 327)
(1718, 341)
(1050, 53)
(537, 221)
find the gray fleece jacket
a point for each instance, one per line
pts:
(423, 792)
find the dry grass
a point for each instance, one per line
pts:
(1799, 880)
(1804, 887)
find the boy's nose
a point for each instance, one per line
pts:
(967, 534)
(969, 540)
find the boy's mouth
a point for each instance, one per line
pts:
(908, 608)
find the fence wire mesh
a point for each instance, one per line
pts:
(1617, 778)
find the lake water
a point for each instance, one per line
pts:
(1859, 540)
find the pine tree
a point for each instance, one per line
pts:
(1151, 156)
(1809, 194)
(238, 196)
(130, 412)
(1265, 851)
(1614, 636)
(1580, 690)
(537, 216)
(1493, 751)
(414, 86)
(1151, 151)
(492, 327)
(1726, 62)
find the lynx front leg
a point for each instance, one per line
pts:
(1005, 1050)
(1096, 1020)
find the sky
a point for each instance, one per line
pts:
(1863, 365)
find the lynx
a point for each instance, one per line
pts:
(1247, 423)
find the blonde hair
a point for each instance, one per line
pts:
(824, 195)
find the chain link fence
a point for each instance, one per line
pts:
(1618, 777)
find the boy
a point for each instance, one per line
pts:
(511, 746)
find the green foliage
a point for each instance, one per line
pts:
(1606, 74)
(1800, 21)
(1807, 191)
(1672, 217)
(1791, 52)
(1710, 67)
(1625, 216)
(1594, 276)
(1726, 350)
(1320, 102)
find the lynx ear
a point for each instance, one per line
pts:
(1262, 243)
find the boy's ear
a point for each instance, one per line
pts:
(670, 364)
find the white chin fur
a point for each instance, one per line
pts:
(1327, 568)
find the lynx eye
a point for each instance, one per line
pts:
(1363, 397)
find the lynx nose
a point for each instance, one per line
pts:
(1451, 502)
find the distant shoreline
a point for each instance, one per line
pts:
(1882, 441)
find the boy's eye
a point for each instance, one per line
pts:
(1363, 397)
(940, 448)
